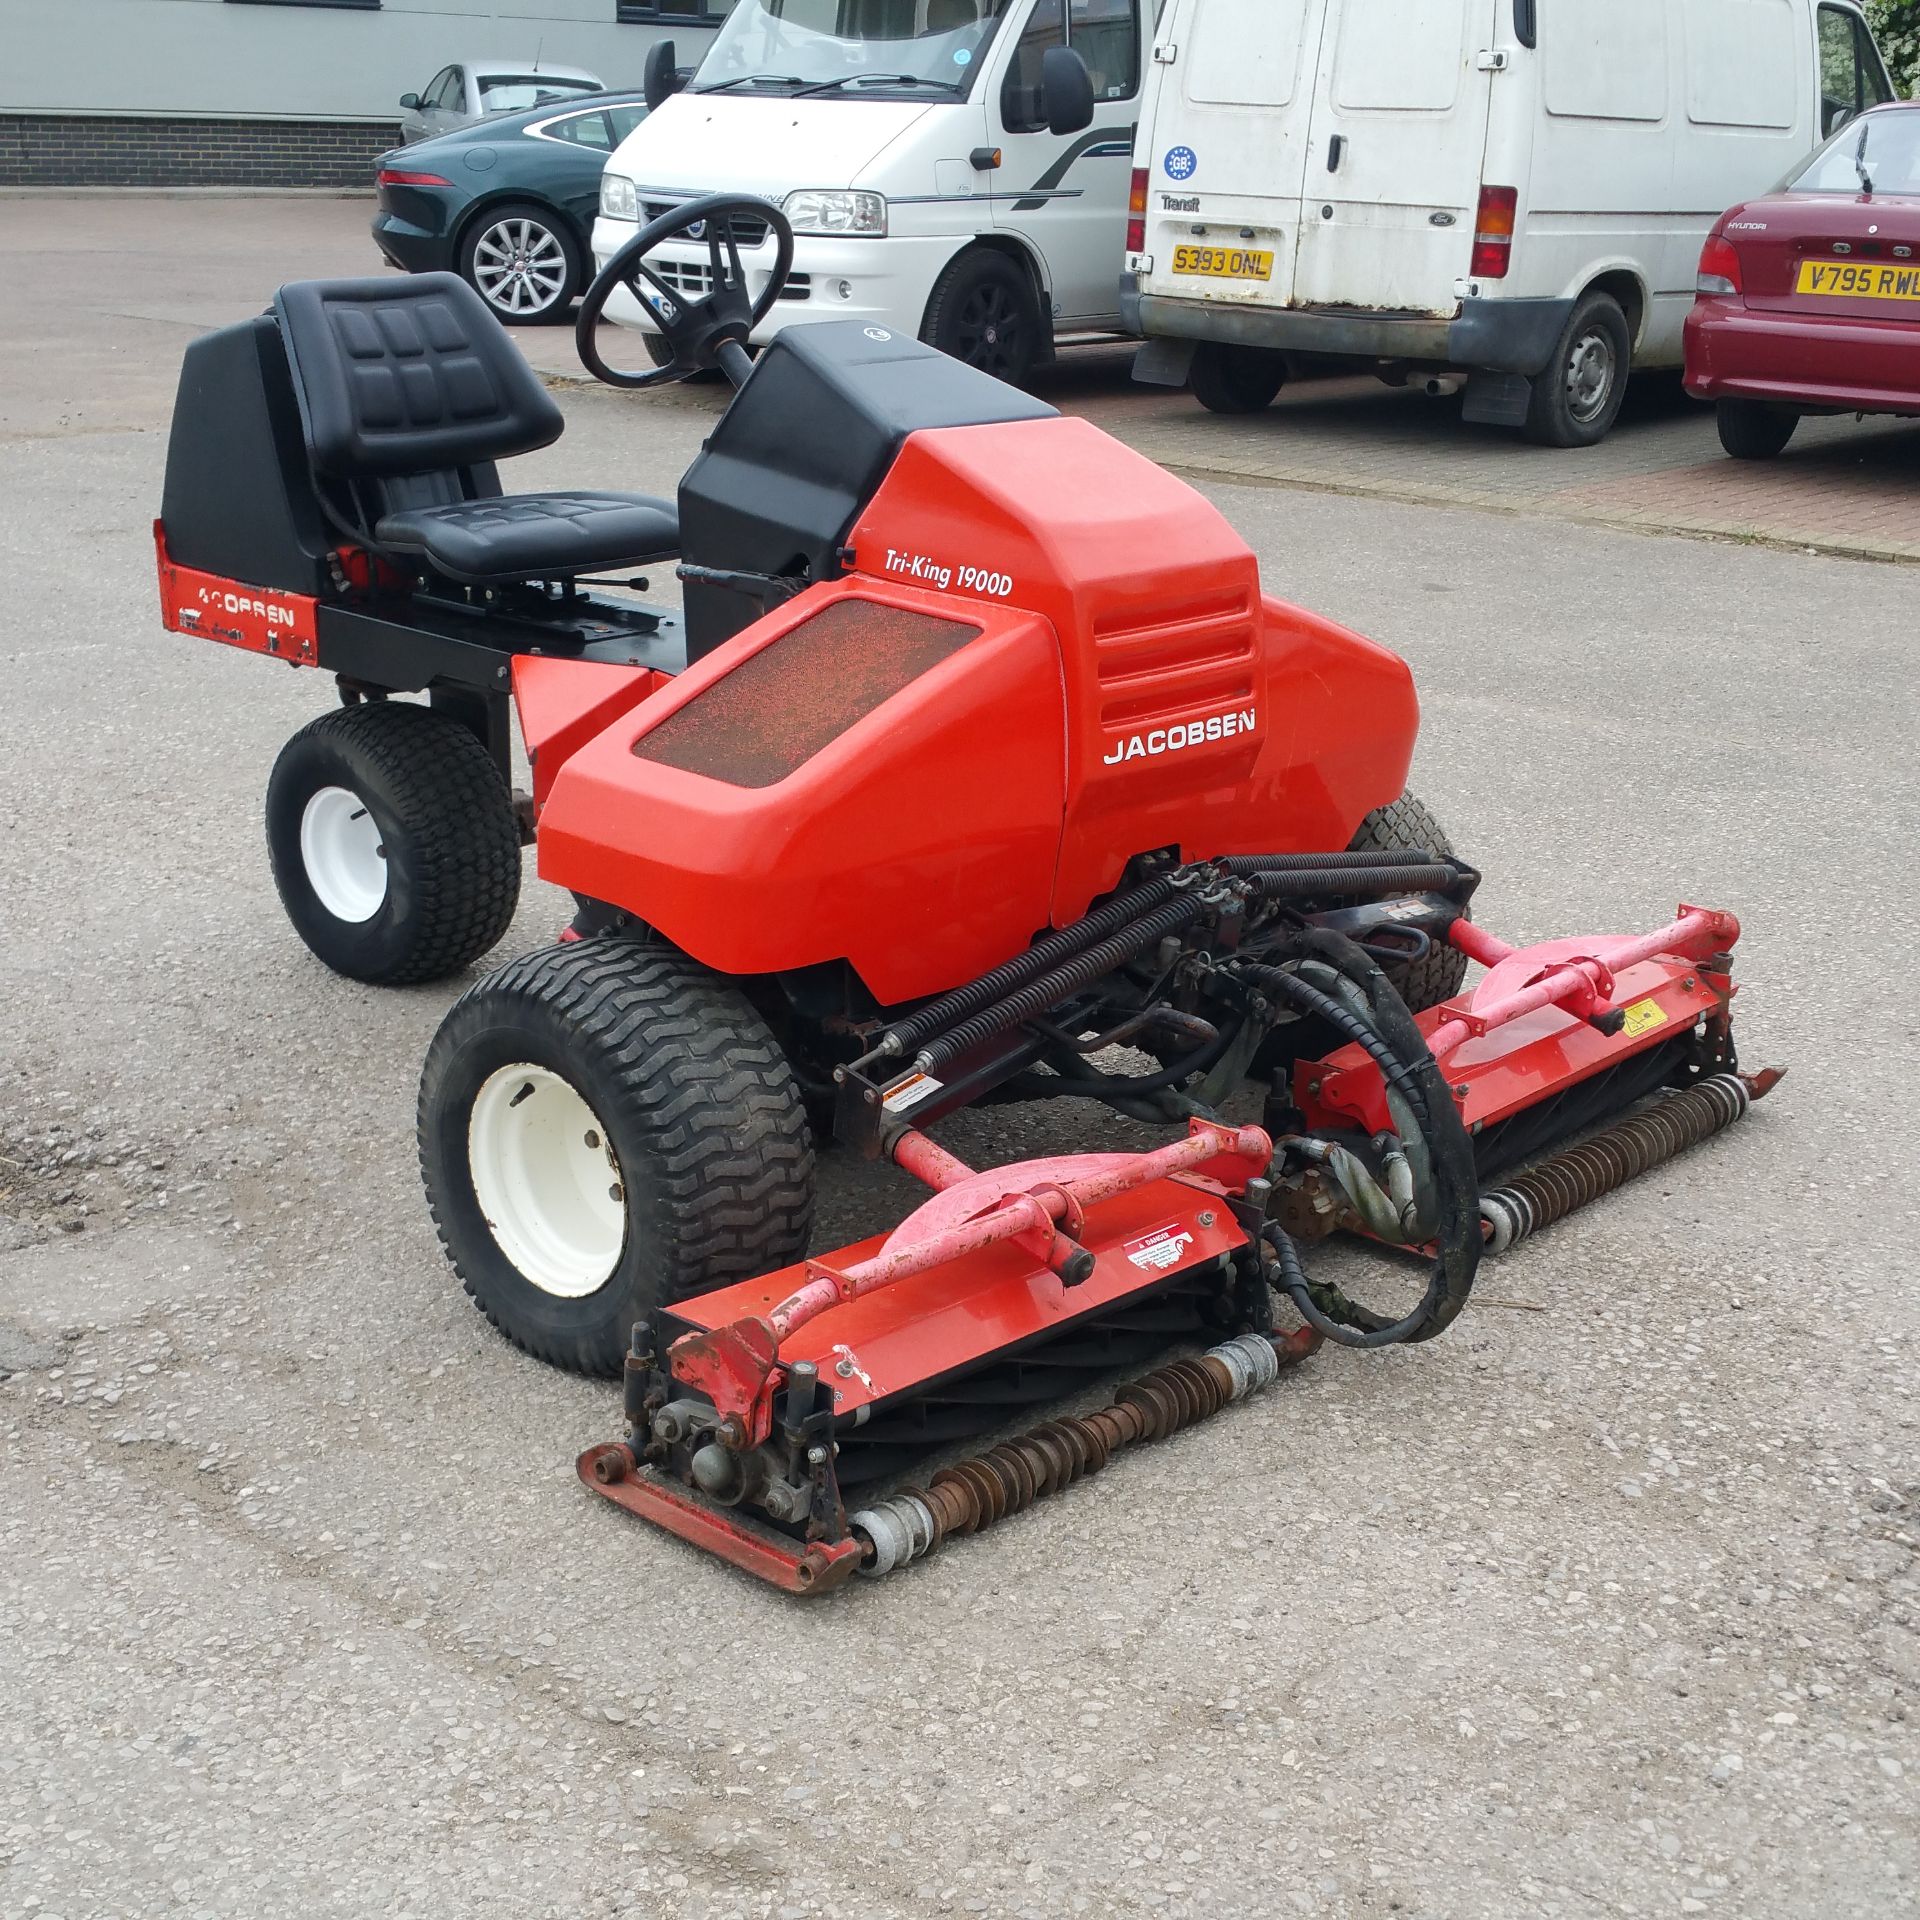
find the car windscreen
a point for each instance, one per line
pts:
(886, 47)
(1882, 147)
(515, 92)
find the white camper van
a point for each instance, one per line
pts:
(956, 169)
(1505, 194)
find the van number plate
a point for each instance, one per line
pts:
(1224, 263)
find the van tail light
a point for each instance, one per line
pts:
(1719, 268)
(1493, 232)
(1137, 212)
(400, 177)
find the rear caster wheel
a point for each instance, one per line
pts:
(605, 1128)
(393, 843)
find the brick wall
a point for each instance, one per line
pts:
(101, 150)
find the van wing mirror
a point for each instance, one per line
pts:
(411, 102)
(661, 78)
(1066, 91)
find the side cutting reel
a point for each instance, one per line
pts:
(809, 1425)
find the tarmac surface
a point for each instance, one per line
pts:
(1604, 1604)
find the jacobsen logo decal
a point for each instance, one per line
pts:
(1197, 733)
(271, 611)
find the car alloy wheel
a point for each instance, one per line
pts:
(520, 267)
(990, 331)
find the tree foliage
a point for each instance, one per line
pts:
(1896, 25)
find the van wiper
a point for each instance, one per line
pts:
(880, 80)
(753, 80)
(1860, 160)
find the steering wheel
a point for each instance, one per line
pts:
(699, 331)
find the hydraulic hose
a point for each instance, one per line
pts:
(1083, 1083)
(1062, 944)
(1394, 1036)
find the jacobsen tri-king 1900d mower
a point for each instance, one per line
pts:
(978, 768)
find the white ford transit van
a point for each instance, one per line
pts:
(1509, 193)
(955, 169)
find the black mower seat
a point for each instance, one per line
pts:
(409, 391)
(525, 536)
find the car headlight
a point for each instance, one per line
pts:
(835, 210)
(619, 198)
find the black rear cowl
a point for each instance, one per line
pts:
(239, 498)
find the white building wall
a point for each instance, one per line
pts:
(222, 57)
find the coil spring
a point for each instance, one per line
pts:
(1022, 967)
(1011, 1477)
(1051, 988)
(1247, 863)
(1577, 1176)
(1116, 914)
(1367, 883)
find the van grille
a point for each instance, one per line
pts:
(747, 230)
(695, 279)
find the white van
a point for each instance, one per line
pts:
(955, 169)
(1509, 194)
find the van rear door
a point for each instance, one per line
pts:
(1226, 153)
(1393, 170)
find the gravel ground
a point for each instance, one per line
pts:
(1603, 1605)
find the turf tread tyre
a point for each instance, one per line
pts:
(1404, 825)
(700, 1107)
(446, 818)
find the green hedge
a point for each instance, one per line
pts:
(1896, 25)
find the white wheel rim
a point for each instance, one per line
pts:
(519, 266)
(341, 849)
(547, 1182)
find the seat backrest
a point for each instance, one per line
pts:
(408, 376)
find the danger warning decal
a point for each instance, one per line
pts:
(1155, 1252)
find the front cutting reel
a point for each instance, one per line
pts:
(788, 1423)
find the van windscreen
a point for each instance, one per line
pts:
(879, 48)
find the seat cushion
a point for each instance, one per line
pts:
(536, 536)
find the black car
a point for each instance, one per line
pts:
(508, 203)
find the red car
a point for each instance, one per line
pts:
(1809, 297)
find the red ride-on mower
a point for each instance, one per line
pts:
(978, 768)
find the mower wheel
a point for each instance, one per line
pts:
(1405, 825)
(393, 842)
(604, 1128)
